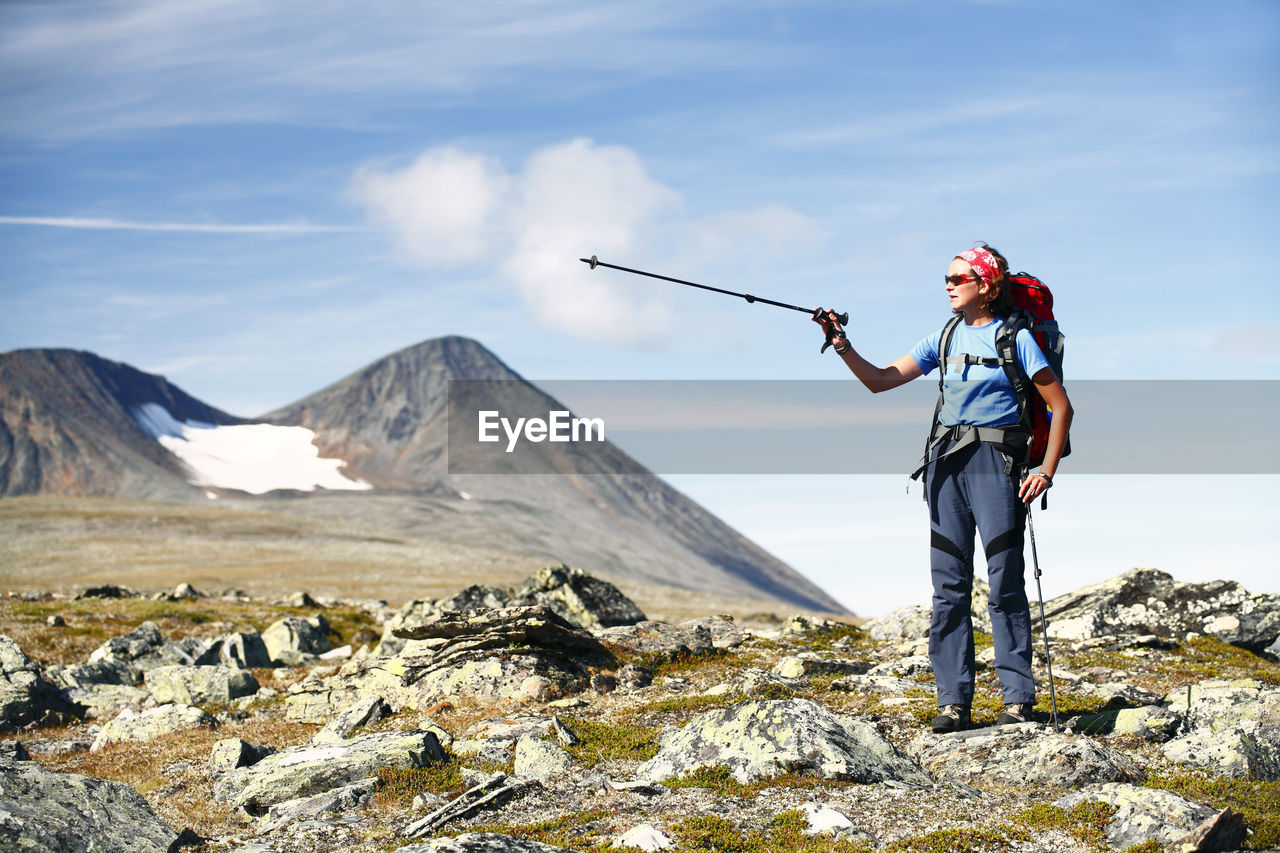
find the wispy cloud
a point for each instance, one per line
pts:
(104, 224)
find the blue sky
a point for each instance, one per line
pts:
(257, 198)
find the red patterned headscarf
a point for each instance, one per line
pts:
(983, 263)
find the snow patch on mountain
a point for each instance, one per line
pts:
(254, 458)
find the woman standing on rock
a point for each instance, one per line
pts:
(974, 479)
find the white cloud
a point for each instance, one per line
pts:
(569, 200)
(441, 208)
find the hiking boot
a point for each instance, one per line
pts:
(951, 718)
(1018, 712)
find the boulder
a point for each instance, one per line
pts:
(540, 760)
(1147, 601)
(109, 590)
(230, 753)
(1022, 754)
(40, 810)
(756, 739)
(1232, 729)
(807, 664)
(645, 837)
(294, 640)
(660, 640)
(337, 800)
(582, 599)
(364, 711)
(101, 701)
(482, 842)
(1145, 814)
(124, 659)
(905, 623)
(149, 724)
(307, 770)
(517, 653)
(494, 739)
(26, 694)
(242, 649)
(13, 750)
(199, 685)
(1151, 723)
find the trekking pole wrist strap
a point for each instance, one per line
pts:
(1048, 480)
(844, 349)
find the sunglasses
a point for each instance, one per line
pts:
(958, 279)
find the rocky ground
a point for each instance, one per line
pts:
(553, 715)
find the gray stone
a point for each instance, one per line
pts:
(69, 813)
(582, 599)
(242, 649)
(13, 750)
(303, 771)
(55, 621)
(1026, 753)
(86, 676)
(644, 837)
(659, 639)
(26, 694)
(186, 591)
(199, 685)
(517, 653)
(539, 759)
(149, 724)
(101, 701)
(808, 664)
(333, 801)
(230, 753)
(1147, 601)
(905, 623)
(1233, 729)
(1145, 814)
(905, 667)
(885, 684)
(757, 739)
(291, 637)
(1152, 723)
(299, 599)
(724, 633)
(364, 711)
(482, 842)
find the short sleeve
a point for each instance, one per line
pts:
(1029, 353)
(925, 352)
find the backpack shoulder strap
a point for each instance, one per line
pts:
(1007, 349)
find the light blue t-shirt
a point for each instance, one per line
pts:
(974, 393)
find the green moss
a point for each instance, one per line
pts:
(574, 830)
(717, 778)
(599, 742)
(978, 840)
(399, 785)
(1148, 846)
(1257, 801)
(1086, 821)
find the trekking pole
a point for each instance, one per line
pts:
(843, 319)
(1035, 561)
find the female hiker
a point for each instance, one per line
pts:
(976, 476)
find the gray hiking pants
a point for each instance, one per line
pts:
(967, 489)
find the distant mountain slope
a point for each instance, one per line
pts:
(72, 423)
(67, 427)
(388, 421)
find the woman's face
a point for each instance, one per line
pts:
(964, 289)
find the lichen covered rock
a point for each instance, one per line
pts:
(199, 685)
(756, 739)
(1026, 753)
(307, 770)
(1147, 601)
(1144, 814)
(149, 724)
(40, 810)
(26, 695)
(1232, 729)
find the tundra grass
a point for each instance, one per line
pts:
(608, 741)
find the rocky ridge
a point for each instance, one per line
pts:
(491, 721)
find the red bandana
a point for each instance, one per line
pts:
(983, 263)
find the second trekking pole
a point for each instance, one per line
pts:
(842, 319)
(1035, 562)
